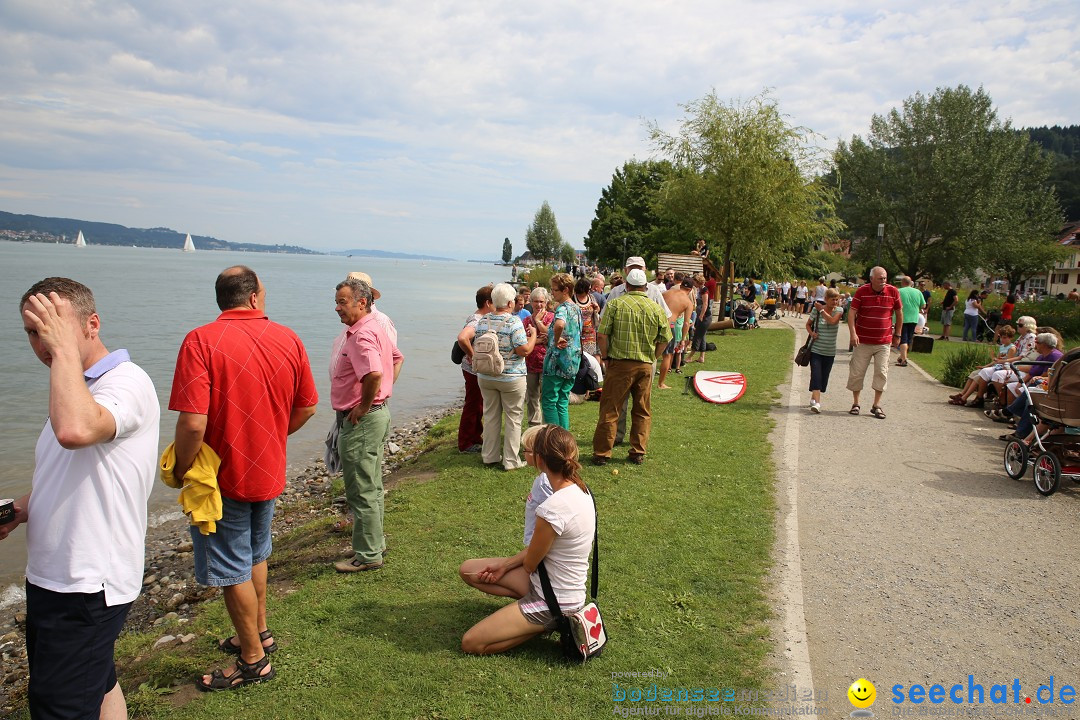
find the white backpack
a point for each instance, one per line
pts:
(486, 359)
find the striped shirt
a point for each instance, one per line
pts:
(825, 344)
(634, 325)
(874, 313)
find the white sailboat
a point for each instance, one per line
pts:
(188, 245)
(80, 241)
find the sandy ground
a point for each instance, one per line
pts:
(905, 555)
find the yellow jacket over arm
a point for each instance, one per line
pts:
(199, 495)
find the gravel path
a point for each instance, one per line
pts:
(909, 554)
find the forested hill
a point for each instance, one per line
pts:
(1064, 144)
(32, 228)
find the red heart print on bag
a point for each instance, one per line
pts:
(591, 614)
(594, 631)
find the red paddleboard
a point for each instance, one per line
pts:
(719, 387)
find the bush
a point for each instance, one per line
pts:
(960, 364)
(539, 274)
(1061, 315)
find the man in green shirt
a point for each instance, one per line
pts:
(912, 301)
(633, 332)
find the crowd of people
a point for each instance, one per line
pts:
(243, 383)
(549, 340)
(1022, 356)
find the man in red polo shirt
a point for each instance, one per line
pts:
(242, 385)
(874, 321)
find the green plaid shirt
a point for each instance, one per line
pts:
(634, 324)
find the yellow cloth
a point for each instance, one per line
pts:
(199, 496)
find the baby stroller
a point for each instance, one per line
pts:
(1055, 451)
(742, 316)
(769, 312)
(985, 331)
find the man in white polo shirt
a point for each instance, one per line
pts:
(85, 514)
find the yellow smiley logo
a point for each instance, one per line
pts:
(862, 693)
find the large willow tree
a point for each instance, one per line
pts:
(746, 181)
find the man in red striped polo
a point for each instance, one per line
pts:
(874, 321)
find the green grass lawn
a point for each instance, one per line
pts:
(685, 541)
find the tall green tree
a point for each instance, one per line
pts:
(953, 185)
(628, 220)
(743, 182)
(567, 253)
(508, 250)
(543, 237)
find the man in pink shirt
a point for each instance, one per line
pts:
(363, 370)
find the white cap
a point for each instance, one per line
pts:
(636, 277)
(635, 261)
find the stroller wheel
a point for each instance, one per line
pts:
(1015, 460)
(1046, 473)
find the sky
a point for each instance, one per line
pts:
(441, 127)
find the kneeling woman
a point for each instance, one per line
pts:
(562, 537)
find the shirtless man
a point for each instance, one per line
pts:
(681, 305)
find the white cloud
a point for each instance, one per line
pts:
(433, 125)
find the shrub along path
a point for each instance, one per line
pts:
(921, 561)
(685, 544)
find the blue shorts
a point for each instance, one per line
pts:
(69, 643)
(907, 332)
(242, 540)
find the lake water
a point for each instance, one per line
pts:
(149, 299)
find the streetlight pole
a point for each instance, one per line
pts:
(880, 239)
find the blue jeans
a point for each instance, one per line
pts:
(820, 368)
(242, 540)
(971, 322)
(1020, 409)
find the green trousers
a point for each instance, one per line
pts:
(361, 448)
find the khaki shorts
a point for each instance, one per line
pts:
(861, 357)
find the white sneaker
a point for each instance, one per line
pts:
(815, 407)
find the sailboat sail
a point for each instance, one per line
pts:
(188, 245)
(80, 241)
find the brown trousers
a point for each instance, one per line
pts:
(624, 377)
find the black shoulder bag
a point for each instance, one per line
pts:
(803, 356)
(582, 633)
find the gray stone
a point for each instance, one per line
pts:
(164, 640)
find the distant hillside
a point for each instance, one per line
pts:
(1064, 144)
(361, 252)
(31, 228)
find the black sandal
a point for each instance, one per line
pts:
(245, 674)
(226, 645)
(877, 412)
(854, 410)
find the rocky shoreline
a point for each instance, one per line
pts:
(169, 589)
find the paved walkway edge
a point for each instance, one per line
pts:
(788, 578)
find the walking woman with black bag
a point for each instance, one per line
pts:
(562, 538)
(822, 325)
